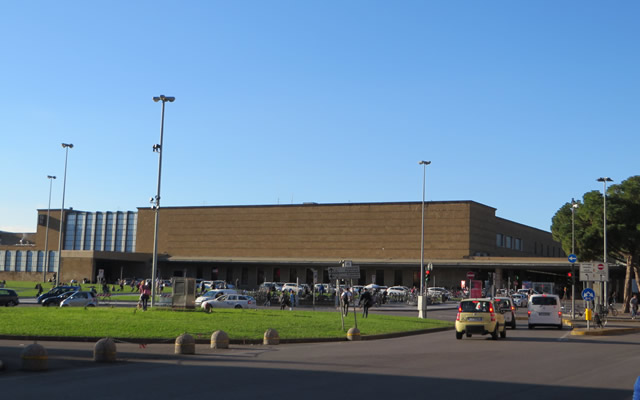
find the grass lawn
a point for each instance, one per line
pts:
(166, 324)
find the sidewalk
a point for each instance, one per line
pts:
(618, 325)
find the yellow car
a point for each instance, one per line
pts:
(480, 317)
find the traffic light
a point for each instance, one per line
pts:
(569, 278)
(427, 275)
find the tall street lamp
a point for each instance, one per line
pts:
(424, 173)
(574, 205)
(46, 233)
(156, 201)
(66, 147)
(604, 181)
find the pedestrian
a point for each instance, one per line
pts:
(283, 300)
(39, 287)
(345, 298)
(292, 299)
(634, 306)
(145, 292)
(365, 302)
(237, 283)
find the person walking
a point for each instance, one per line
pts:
(345, 298)
(634, 306)
(145, 292)
(292, 299)
(366, 301)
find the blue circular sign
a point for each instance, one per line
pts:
(588, 294)
(573, 258)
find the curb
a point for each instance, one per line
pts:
(603, 331)
(199, 339)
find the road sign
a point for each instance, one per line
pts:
(471, 275)
(573, 258)
(588, 294)
(344, 272)
(594, 272)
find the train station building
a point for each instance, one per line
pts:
(287, 243)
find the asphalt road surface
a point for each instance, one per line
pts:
(528, 364)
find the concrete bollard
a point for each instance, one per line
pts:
(185, 344)
(219, 340)
(353, 334)
(271, 337)
(104, 350)
(34, 358)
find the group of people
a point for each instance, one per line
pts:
(365, 301)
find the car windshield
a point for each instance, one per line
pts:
(475, 306)
(544, 301)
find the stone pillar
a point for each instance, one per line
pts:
(34, 358)
(271, 336)
(104, 350)
(185, 344)
(219, 340)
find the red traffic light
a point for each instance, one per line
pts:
(569, 275)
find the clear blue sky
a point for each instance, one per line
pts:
(520, 105)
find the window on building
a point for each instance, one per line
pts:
(53, 261)
(507, 242)
(40, 261)
(132, 226)
(2, 257)
(99, 240)
(517, 244)
(70, 231)
(119, 231)
(499, 240)
(79, 228)
(244, 278)
(7, 261)
(18, 263)
(108, 241)
(29, 266)
(397, 277)
(88, 232)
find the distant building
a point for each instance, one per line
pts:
(254, 244)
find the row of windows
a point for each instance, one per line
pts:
(509, 242)
(101, 231)
(27, 261)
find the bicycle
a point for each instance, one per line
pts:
(611, 309)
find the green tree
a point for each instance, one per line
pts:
(623, 228)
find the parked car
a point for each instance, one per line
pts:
(80, 299)
(57, 291)
(230, 301)
(444, 293)
(397, 291)
(55, 301)
(506, 306)
(9, 298)
(293, 286)
(213, 294)
(544, 310)
(480, 316)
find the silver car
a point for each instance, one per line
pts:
(80, 299)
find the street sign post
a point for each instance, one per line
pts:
(588, 294)
(594, 272)
(471, 275)
(344, 272)
(573, 258)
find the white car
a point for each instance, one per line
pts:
(213, 294)
(292, 286)
(520, 300)
(230, 301)
(545, 309)
(397, 291)
(80, 299)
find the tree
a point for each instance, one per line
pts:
(623, 228)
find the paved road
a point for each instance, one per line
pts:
(529, 364)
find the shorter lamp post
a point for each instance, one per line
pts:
(604, 181)
(65, 146)
(46, 233)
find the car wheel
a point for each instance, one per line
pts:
(458, 335)
(91, 305)
(560, 326)
(468, 335)
(503, 333)
(238, 306)
(513, 323)
(530, 326)
(494, 334)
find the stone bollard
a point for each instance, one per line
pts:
(104, 350)
(34, 358)
(185, 344)
(353, 334)
(219, 340)
(271, 337)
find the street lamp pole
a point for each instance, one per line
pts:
(604, 181)
(156, 201)
(421, 313)
(66, 147)
(574, 205)
(46, 233)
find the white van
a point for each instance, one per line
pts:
(544, 310)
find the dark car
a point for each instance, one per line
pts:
(56, 300)
(8, 298)
(57, 291)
